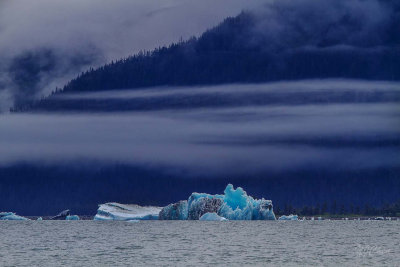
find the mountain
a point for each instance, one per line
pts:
(248, 49)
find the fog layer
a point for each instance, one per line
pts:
(238, 139)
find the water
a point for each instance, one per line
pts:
(193, 243)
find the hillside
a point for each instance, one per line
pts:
(242, 50)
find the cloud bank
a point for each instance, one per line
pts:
(216, 140)
(328, 24)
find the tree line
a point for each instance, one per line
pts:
(388, 210)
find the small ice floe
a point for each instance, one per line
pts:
(212, 216)
(61, 216)
(72, 218)
(290, 217)
(39, 219)
(319, 218)
(11, 216)
(379, 219)
(312, 218)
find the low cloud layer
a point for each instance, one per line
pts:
(214, 140)
(285, 87)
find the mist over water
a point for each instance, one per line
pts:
(239, 138)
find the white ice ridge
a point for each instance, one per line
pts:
(11, 216)
(290, 217)
(235, 204)
(121, 212)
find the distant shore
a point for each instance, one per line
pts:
(307, 218)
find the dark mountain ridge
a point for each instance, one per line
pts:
(247, 49)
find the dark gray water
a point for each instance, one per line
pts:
(155, 243)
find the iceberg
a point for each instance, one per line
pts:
(212, 216)
(290, 217)
(175, 211)
(203, 205)
(121, 212)
(61, 216)
(72, 218)
(234, 204)
(11, 216)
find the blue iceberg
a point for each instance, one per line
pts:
(72, 218)
(212, 216)
(11, 216)
(235, 204)
(290, 217)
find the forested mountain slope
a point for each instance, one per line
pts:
(249, 48)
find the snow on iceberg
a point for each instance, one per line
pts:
(11, 216)
(290, 217)
(212, 216)
(235, 204)
(121, 212)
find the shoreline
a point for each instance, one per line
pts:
(301, 218)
